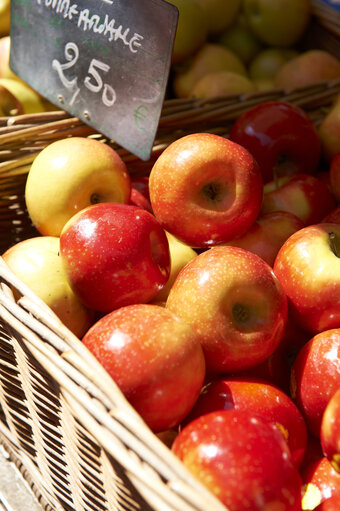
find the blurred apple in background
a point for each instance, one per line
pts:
(241, 40)
(5, 47)
(234, 303)
(280, 136)
(333, 216)
(220, 14)
(153, 357)
(9, 104)
(209, 58)
(214, 184)
(30, 100)
(114, 255)
(36, 261)
(303, 195)
(267, 235)
(222, 83)
(311, 66)
(334, 176)
(279, 22)
(69, 175)
(308, 268)
(5, 17)
(264, 67)
(192, 29)
(241, 458)
(330, 431)
(329, 131)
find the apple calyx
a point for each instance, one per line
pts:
(94, 199)
(213, 192)
(334, 243)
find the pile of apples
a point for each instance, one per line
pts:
(242, 46)
(209, 290)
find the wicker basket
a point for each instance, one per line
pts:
(63, 421)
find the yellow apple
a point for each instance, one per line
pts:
(180, 255)
(266, 64)
(241, 40)
(209, 58)
(279, 22)
(69, 175)
(29, 98)
(5, 15)
(37, 263)
(309, 67)
(5, 48)
(220, 14)
(221, 83)
(191, 31)
(9, 104)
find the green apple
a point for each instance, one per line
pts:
(5, 12)
(29, 98)
(266, 64)
(220, 14)
(222, 83)
(241, 40)
(192, 29)
(209, 58)
(69, 175)
(180, 255)
(279, 22)
(37, 263)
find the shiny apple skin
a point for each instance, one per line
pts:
(276, 131)
(320, 483)
(315, 376)
(234, 303)
(303, 195)
(257, 397)
(268, 233)
(309, 272)
(330, 431)
(205, 190)
(114, 255)
(243, 459)
(332, 504)
(153, 357)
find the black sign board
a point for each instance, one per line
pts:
(106, 62)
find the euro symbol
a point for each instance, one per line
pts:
(140, 115)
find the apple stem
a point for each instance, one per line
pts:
(334, 243)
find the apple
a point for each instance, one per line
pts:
(114, 255)
(331, 504)
(329, 130)
(309, 67)
(30, 100)
(9, 104)
(139, 195)
(240, 39)
(220, 14)
(70, 174)
(267, 62)
(214, 184)
(315, 376)
(320, 483)
(180, 255)
(268, 233)
(5, 48)
(333, 216)
(257, 397)
(242, 458)
(153, 357)
(209, 58)
(308, 268)
(334, 176)
(192, 29)
(280, 136)
(330, 430)
(306, 196)
(234, 303)
(36, 262)
(221, 83)
(5, 17)
(281, 23)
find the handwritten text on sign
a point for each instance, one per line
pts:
(106, 63)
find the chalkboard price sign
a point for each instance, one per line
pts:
(106, 62)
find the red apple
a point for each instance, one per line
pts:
(330, 430)
(268, 233)
(308, 267)
(153, 357)
(320, 483)
(281, 137)
(334, 176)
(257, 397)
(139, 195)
(333, 216)
(315, 376)
(205, 190)
(304, 195)
(234, 303)
(332, 504)
(243, 459)
(114, 255)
